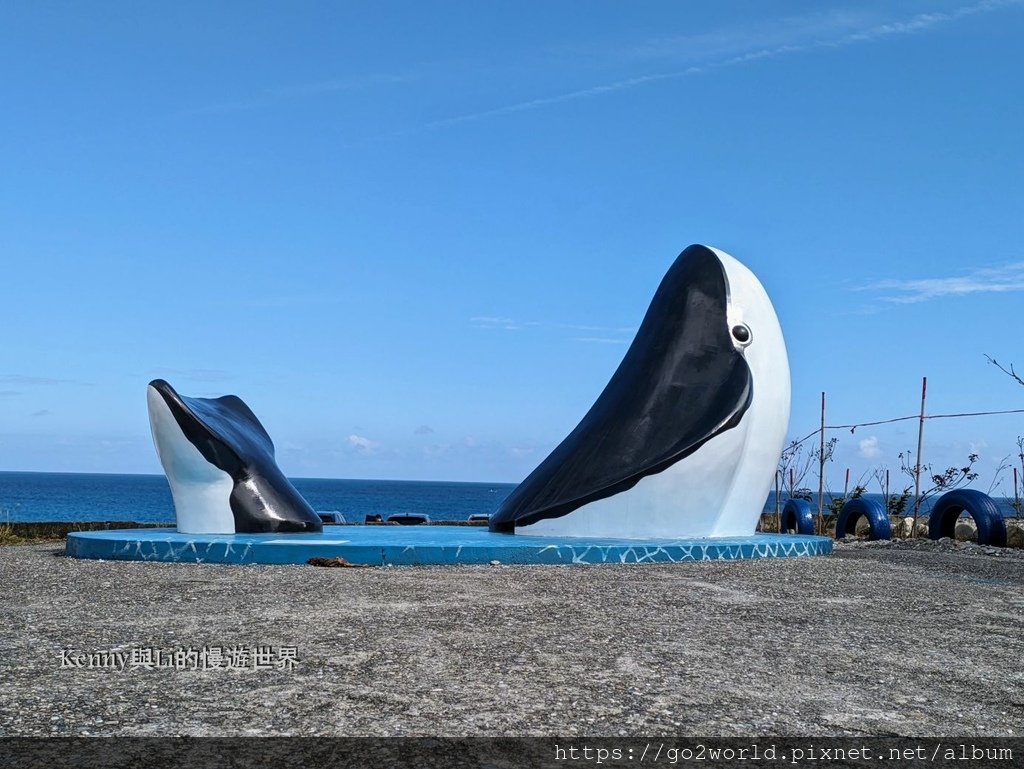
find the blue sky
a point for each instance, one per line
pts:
(417, 238)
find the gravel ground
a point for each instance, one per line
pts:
(900, 639)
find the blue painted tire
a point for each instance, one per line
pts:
(873, 510)
(985, 512)
(797, 515)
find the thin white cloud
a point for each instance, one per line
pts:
(982, 281)
(508, 324)
(773, 33)
(868, 447)
(35, 380)
(602, 334)
(925, 21)
(363, 444)
(603, 329)
(741, 46)
(524, 106)
(599, 340)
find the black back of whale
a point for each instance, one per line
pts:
(230, 437)
(681, 383)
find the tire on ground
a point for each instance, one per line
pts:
(980, 506)
(872, 510)
(797, 515)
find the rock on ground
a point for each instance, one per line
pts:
(882, 638)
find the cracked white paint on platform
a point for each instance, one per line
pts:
(426, 545)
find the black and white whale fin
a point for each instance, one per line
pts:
(682, 382)
(226, 435)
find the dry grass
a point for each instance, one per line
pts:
(23, 533)
(7, 536)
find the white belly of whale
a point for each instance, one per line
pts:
(201, 491)
(699, 496)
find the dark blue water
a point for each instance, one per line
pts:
(147, 498)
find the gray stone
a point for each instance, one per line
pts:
(966, 530)
(907, 637)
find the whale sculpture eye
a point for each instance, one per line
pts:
(741, 333)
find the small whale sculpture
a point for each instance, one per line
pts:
(685, 438)
(220, 465)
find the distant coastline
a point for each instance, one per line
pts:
(144, 498)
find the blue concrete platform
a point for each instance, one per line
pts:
(425, 545)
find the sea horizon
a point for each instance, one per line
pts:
(290, 477)
(43, 495)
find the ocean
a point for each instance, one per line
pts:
(147, 498)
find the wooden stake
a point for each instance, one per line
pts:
(821, 471)
(887, 491)
(778, 506)
(1016, 496)
(917, 465)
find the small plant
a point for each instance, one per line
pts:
(836, 502)
(1008, 371)
(6, 527)
(794, 464)
(1017, 484)
(1018, 487)
(803, 493)
(1018, 490)
(949, 479)
(896, 502)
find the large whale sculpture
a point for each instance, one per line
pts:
(685, 438)
(220, 465)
